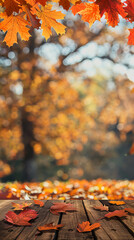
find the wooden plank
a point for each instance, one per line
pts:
(44, 217)
(110, 228)
(8, 231)
(129, 220)
(70, 222)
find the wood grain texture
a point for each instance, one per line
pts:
(129, 220)
(70, 222)
(111, 229)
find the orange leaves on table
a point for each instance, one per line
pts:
(116, 213)
(38, 202)
(49, 20)
(18, 206)
(57, 208)
(102, 208)
(117, 202)
(112, 9)
(86, 227)
(13, 25)
(21, 219)
(50, 226)
(89, 11)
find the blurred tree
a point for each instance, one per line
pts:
(51, 108)
(40, 111)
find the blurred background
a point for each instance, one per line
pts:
(67, 105)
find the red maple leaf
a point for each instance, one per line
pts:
(129, 9)
(112, 9)
(57, 208)
(116, 213)
(21, 219)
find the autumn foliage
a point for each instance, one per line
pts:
(22, 16)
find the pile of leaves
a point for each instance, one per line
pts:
(26, 214)
(21, 16)
(98, 189)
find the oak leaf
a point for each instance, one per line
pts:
(13, 25)
(50, 226)
(117, 202)
(49, 20)
(112, 9)
(38, 202)
(21, 219)
(18, 206)
(102, 208)
(116, 213)
(86, 227)
(57, 208)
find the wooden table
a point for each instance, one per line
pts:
(114, 228)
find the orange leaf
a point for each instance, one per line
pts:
(22, 219)
(86, 227)
(38, 202)
(130, 210)
(116, 213)
(61, 207)
(18, 206)
(131, 42)
(49, 226)
(89, 11)
(117, 202)
(131, 151)
(111, 9)
(13, 25)
(102, 208)
(49, 20)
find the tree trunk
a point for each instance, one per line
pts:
(30, 165)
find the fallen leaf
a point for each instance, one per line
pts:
(18, 206)
(102, 208)
(38, 202)
(117, 202)
(21, 219)
(86, 227)
(116, 213)
(130, 210)
(57, 208)
(49, 226)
